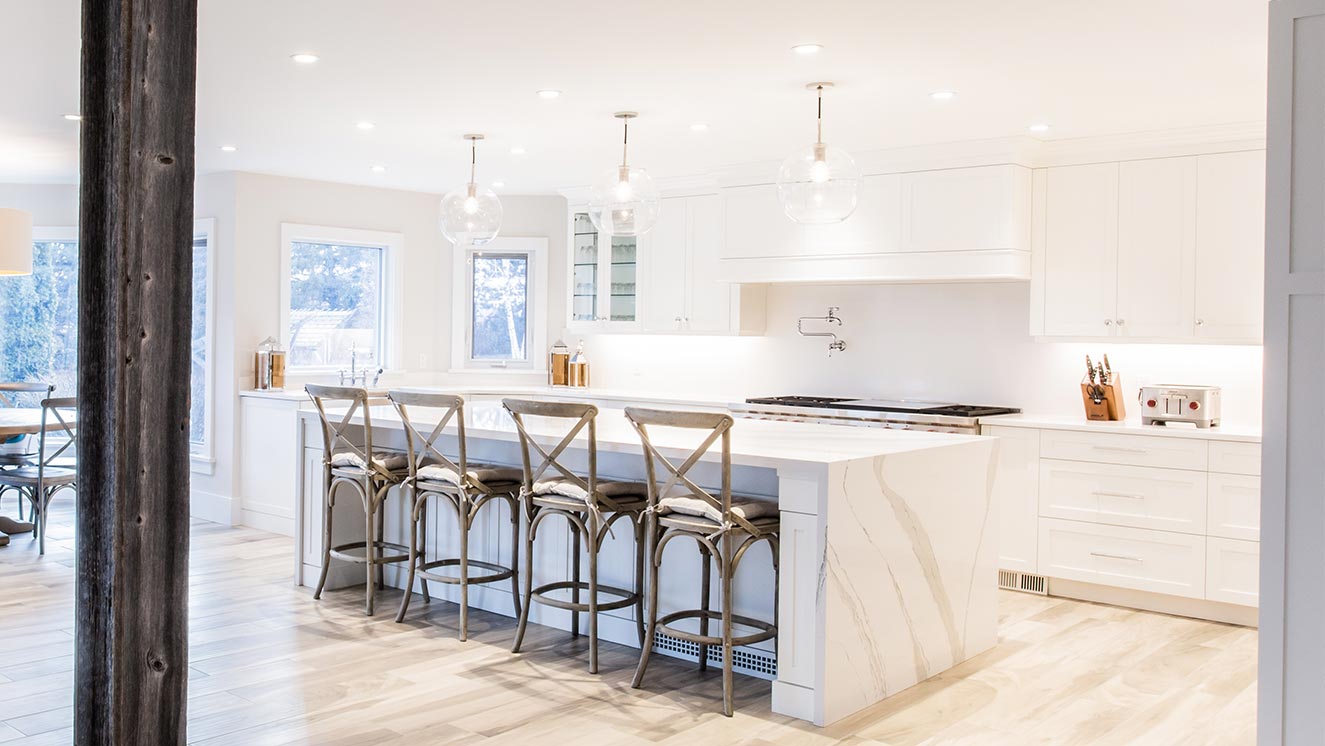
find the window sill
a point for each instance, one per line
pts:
(500, 371)
(202, 464)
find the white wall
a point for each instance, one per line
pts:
(956, 342)
(51, 205)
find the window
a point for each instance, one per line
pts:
(201, 370)
(336, 296)
(498, 319)
(39, 324)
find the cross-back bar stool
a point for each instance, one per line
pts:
(370, 474)
(680, 508)
(50, 470)
(589, 505)
(9, 390)
(465, 487)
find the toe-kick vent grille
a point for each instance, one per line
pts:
(758, 663)
(1024, 582)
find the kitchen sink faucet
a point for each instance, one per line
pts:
(837, 345)
(355, 374)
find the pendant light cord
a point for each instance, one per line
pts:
(820, 123)
(473, 159)
(625, 139)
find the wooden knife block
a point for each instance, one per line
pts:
(1108, 409)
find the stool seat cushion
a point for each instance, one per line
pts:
(382, 459)
(749, 508)
(567, 488)
(480, 473)
(27, 475)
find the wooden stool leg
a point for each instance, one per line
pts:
(369, 547)
(422, 525)
(381, 536)
(463, 513)
(328, 504)
(41, 527)
(413, 560)
(647, 650)
(575, 576)
(528, 579)
(641, 548)
(591, 544)
(725, 567)
(705, 593)
(515, 556)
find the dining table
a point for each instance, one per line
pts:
(26, 421)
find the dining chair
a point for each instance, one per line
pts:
(11, 456)
(40, 481)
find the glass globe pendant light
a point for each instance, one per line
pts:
(624, 201)
(471, 214)
(819, 184)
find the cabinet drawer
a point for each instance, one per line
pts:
(1235, 507)
(1139, 496)
(1233, 571)
(1133, 450)
(1137, 558)
(1235, 458)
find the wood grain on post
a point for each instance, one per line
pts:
(134, 336)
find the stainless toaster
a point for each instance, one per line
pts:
(1164, 403)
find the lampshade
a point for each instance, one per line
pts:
(819, 184)
(470, 214)
(624, 201)
(15, 242)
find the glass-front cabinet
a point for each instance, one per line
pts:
(603, 277)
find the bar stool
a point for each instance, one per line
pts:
(466, 488)
(8, 390)
(40, 481)
(346, 464)
(589, 505)
(682, 508)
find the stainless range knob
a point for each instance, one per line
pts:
(1200, 322)
(1108, 322)
(1121, 322)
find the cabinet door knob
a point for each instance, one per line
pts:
(1108, 322)
(1200, 322)
(1121, 322)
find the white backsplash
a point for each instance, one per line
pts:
(955, 342)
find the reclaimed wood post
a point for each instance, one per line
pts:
(134, 336)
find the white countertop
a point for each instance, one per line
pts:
(754, 442)
(1242, 434)
(565, 392)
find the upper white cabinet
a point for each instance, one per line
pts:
(664, 281)
(1230, 245)
(942, 225)
(1165, 249)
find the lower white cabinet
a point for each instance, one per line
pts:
(1140, 559)
(1137, 496)
(1233, 571)
(1014, 495)
(1234, 507)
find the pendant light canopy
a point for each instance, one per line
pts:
(819, 184)
(15, 242)
(624, 201)
(471, 214)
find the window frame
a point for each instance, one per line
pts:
(462, 311)
(202, 456)
(390, 311)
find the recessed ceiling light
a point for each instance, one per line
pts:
(943, 95)
(1039, 127)
(228, 148)
(378, 169)
(517, 150)
(365, 125)
(74, 117)
(699, 126)
(498, 184)
(549, 93)
(304, 58)
(807, 48)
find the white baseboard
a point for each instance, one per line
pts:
(1196, 608)
(210, 506)
(275, 524)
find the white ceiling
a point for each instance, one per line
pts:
(427, 71)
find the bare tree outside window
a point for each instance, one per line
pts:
(500, 307)
(335, 303)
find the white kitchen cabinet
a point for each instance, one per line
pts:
(991, 205)
(1080, 262)
(1235, 506)
(1156, 248)
(1135, 558)
(1165, 249)
(682, 292)
(1233, 571)
(1015, 490)
(1138, 496)
(875, 226)
(1230, 242)
(755, 227)
(602, 278)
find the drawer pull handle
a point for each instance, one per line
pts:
(1116, 556)
(1119, 449)
(1120, 494)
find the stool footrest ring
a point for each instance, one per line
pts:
(766, 629)
(627, 598)
(499, 572)
(341, 552)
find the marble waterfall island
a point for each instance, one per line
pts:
(888, 556)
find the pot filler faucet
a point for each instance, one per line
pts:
(355, 374)
(832, 318)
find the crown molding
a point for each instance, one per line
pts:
(1169, 143)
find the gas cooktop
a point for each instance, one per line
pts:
(884, 405)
